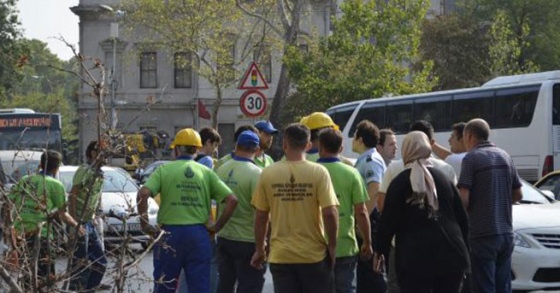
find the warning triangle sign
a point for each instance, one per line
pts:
(253, 79)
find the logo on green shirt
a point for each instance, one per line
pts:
(189, 173)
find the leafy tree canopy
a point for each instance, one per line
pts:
(369, 55)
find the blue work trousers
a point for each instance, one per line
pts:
(491, 263)
(183, 247)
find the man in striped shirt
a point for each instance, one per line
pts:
(489, 185)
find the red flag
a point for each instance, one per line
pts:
(202, 111)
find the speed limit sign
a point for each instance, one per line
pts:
(252, 103)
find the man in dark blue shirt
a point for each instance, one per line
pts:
(489, 185)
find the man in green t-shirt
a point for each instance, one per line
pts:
(236, 241)
(89, 262)
(32, 205)
(186, 190)
(352, 195)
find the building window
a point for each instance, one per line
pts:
(183, 70)
(263, 57)
(148, 70)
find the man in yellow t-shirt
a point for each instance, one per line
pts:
(299, 198)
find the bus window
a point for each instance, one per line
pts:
(556, 104)
(399, 117)
(473, 105)
(340, 116)
(515, 107)
(437, 111)
(374, 112)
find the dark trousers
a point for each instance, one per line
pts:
(234, 266)
(89, 262)
(491, 263)
(302, 278)
(448, 283)
(344, 274)
(367, 280)
(184, 247)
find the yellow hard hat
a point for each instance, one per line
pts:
(303, 120)
(188, 137)
(319, 120)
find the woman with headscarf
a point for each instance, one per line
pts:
(424, 212)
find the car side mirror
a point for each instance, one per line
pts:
(549, 194)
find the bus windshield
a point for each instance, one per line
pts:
(30, 139)
(30, 131)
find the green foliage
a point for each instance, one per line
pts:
(506, 48)
(369, 55)
(11, 51)
(458, 46)
(533, 22)
(45, 87)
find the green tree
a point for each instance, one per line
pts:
(215, 33)
(533, 22)
(369, 55)
(506, 48)
(458, 46)
(44, 86)
(12, 53)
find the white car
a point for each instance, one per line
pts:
(16, 164)
(536, 256)
(118, 199)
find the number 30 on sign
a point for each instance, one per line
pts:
(252, 103)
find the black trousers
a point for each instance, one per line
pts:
(234, 267)
(367, 280)
(448, 283)
(303, 278)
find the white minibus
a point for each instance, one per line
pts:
(522, 110)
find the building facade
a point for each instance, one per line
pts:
(153, 92)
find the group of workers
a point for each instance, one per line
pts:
(318, 221)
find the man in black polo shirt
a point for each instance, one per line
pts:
(489, 185)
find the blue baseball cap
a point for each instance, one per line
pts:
(248, 138)
(266, 126)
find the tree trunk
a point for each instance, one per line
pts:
(290, 39)
(216, 107)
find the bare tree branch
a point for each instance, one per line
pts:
(249, 13)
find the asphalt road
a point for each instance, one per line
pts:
(140, 278)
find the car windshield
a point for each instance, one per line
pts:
(532, 195)
(13, 170)
(115, 181)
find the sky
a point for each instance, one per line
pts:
(46, 20)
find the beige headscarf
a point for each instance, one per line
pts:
(416, 150)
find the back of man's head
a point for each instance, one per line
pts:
(424, 126)
(330, 140)
(459, 128)
(92, 147)
(297, 136)
(368, 132)
(242, 128)
(478, 128)
(208, 133)
(50, 161)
